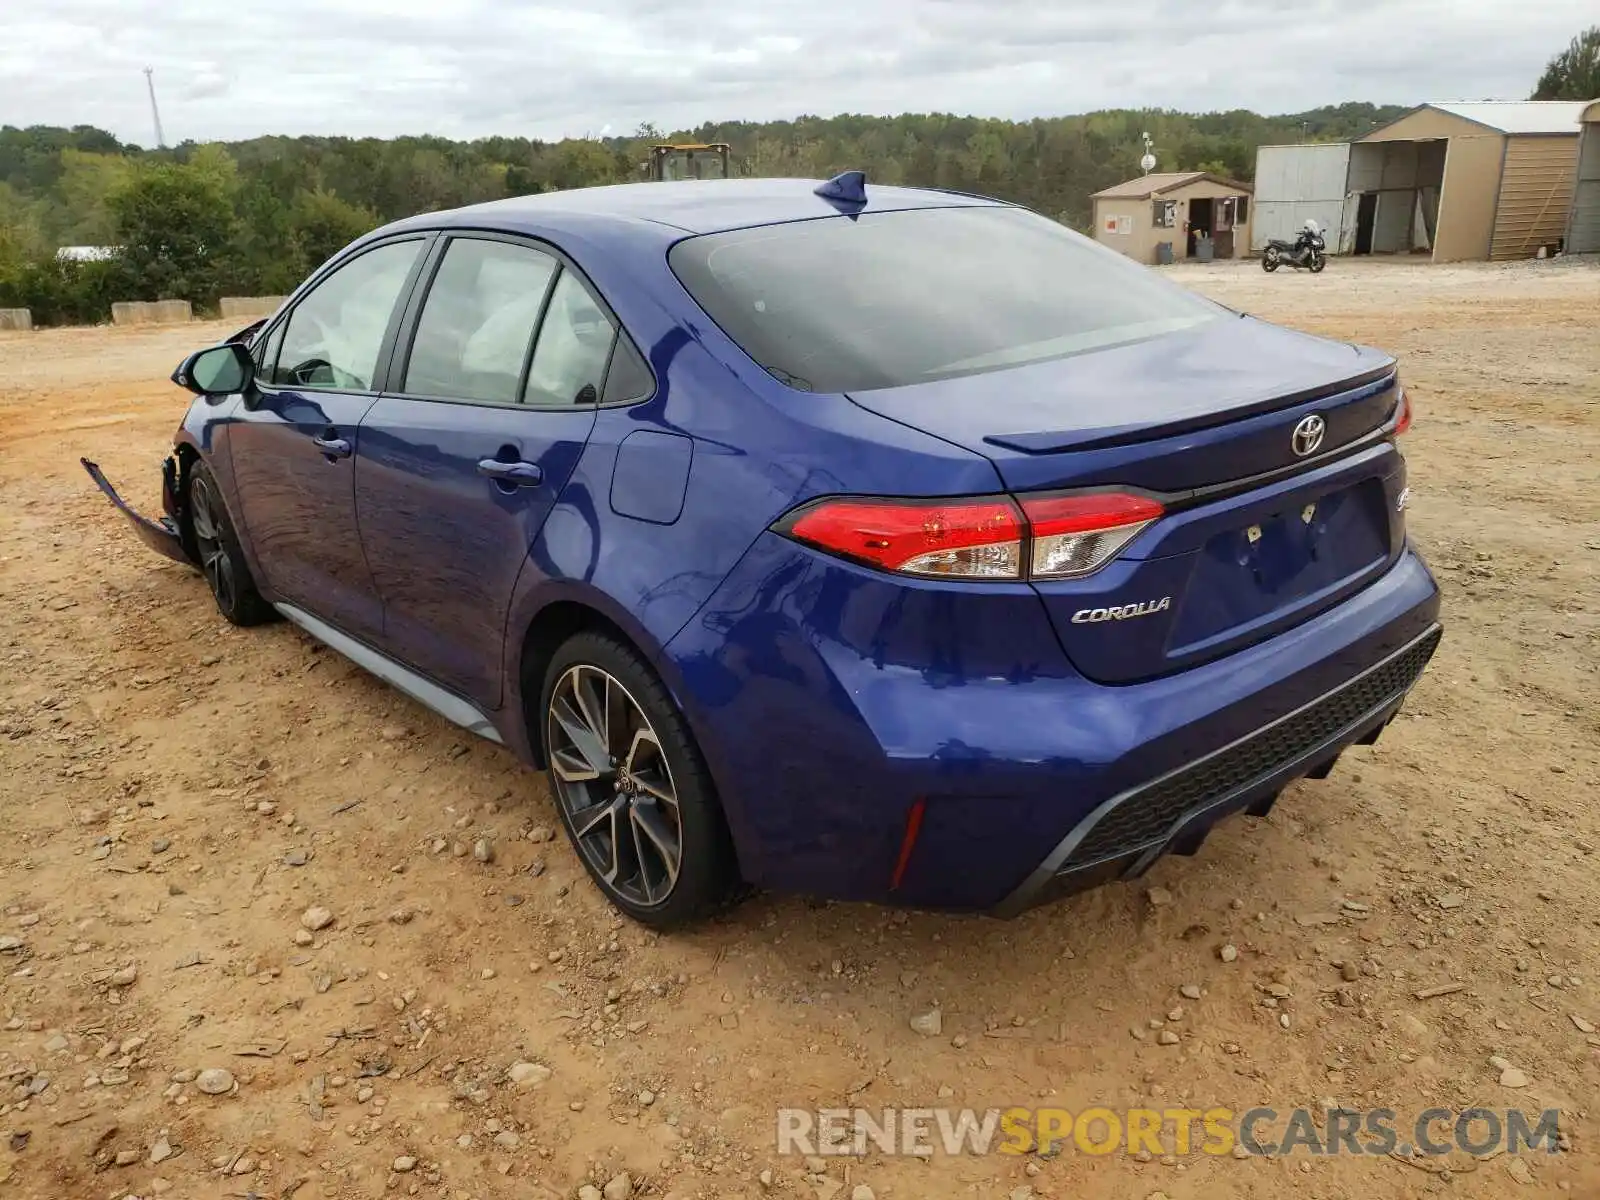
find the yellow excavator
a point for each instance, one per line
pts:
(681, 161)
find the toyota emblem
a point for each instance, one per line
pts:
(1307, 435)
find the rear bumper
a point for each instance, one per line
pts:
(831, 702)
(161, 535)
(1122, 837)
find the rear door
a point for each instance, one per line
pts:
(296, 440)
(493, 396)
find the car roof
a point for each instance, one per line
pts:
(689, 206)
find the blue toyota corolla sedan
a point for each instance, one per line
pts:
(877, 543)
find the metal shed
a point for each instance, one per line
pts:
(1467, 179)
(1455, 180)
(1583, 227)
(1196, 214)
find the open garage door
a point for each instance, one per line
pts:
(1583, 234)
(1297, 183)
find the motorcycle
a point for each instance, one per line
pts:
(1308, 252)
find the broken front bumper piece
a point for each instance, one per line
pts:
(161, 535)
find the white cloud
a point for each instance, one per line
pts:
(554, 67)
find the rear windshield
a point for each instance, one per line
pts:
(894, 298)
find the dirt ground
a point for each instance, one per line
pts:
(175, 793)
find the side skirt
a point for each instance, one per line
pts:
(425, 692)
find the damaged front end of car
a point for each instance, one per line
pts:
(164, 535)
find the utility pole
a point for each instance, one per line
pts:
(155, 113)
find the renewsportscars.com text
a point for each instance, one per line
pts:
(922, 1132)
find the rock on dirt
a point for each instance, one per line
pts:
(214, 1081)
(929, 1023)
(316, 918)
(528, 1075)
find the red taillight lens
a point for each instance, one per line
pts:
(1402, 416)
(979, 538)
(1077, 535)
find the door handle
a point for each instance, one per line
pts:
(522, 474)
(333, 447)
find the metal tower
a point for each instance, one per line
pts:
(155, 113)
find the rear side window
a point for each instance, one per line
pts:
(896, 298)
(477, 324)
(333, 336)
(628, 379)
(575, 339)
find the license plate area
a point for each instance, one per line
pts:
(1309, 548)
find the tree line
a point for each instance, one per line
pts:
(199, 221)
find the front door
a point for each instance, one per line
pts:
(296, 442)
(460, 467)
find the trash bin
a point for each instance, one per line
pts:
(1163, 254)
(1204, 249)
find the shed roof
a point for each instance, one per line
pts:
(1508, 116)
(1154, 185)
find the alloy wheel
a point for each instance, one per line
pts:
(204, 511)
(614, 785)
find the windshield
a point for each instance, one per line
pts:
(886, 299)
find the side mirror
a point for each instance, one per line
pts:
(219, 371)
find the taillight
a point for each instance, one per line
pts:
(1402, 415)
(975, 538)
(1063, 537)
(1077, 535)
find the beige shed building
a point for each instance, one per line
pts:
(1197, 214)
(1583, 227)
(1469, 180)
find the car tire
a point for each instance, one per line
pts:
(218, 554)
(630, 785)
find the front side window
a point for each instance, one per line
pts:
(473, 336)
(265, 351)
(895, 298)
(574, 346)
(333, 336)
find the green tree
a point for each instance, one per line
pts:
(84, 189)
(175, 225)
(321, 224)
(1574, 74)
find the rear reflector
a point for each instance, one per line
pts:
(974, 538)
(908, 843)
(977, 538)
(1077, 535)
(1402, 416)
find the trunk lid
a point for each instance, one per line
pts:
(1257, 537)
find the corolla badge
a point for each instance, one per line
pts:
(1307, 435)
(1093, 616)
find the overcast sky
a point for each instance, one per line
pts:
(468, 68)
